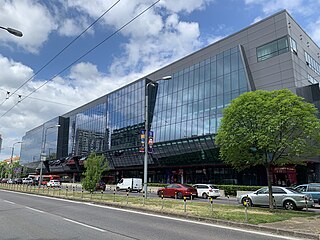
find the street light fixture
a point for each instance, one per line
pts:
(146, 133)
(13, 31)
(43, 149)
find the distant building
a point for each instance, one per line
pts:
(185, 112)
(14, 159)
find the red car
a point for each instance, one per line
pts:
(179, 190)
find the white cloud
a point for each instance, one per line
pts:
(314, 31)
(304, 7)
(31, 18)
(156, 38)
(184, 5)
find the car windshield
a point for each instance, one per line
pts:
(214, 187)
(293, 191)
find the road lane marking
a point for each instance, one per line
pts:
(165, 217)
(8, 202)
(85, 225)
(199, 223)
(36, 210)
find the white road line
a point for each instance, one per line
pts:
(165, 217)
(199, 223)
(85, 225)
(36, 210)
(8, 202)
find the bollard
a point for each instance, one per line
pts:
(274, 202)
(48, 190)
(81, 193)
(38, 189)
(162, 201)
(191, 197)
(127, 197)
(59, 191)
(175, 195)
(245, 203)
(67, 192)
(72, 191)
(43, 189)
(101, 194)
(114, 195)
(306, 201)
(91, 195)
(143, 197)
(211, 204)
(228, 199)
(185, 203)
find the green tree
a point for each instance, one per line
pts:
(95, 165)
(3, 169)
(269, 128)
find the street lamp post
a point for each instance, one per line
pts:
(11, 158)
(146, 134)
(43, 149)
(12, 31)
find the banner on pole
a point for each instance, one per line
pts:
(142, 141)
(150, 142)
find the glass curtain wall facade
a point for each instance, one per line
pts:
(88, 131)
(191, 103)
(33, 141)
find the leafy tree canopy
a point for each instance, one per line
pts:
(268, 128)
(95, 165)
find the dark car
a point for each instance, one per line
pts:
(178, 190)
(101, 186)
(35, 182)
(17, 181)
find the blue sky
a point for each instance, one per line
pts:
(168, 31)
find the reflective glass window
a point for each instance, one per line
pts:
(272, 49)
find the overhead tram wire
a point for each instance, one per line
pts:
(85, 54)
(43, 100)
(61, 51)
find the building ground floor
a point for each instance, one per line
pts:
(216, 174)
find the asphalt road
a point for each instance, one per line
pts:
(34, 217)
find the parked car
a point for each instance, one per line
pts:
(53, 183)
(35, 182)
(283, 197)
(17, 181)
(27, 180)
(10, 181)
(101, 186)
(207, 190)
(4, 180)
(179, 190)
(312, 188)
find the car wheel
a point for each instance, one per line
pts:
(179, 195)
(160, 193)
(248, 202)
(204, 195)
(289, 205)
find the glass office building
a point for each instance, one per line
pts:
(185, 112)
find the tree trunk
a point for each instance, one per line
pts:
(269, 177)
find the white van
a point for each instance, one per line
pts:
(130, 184)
